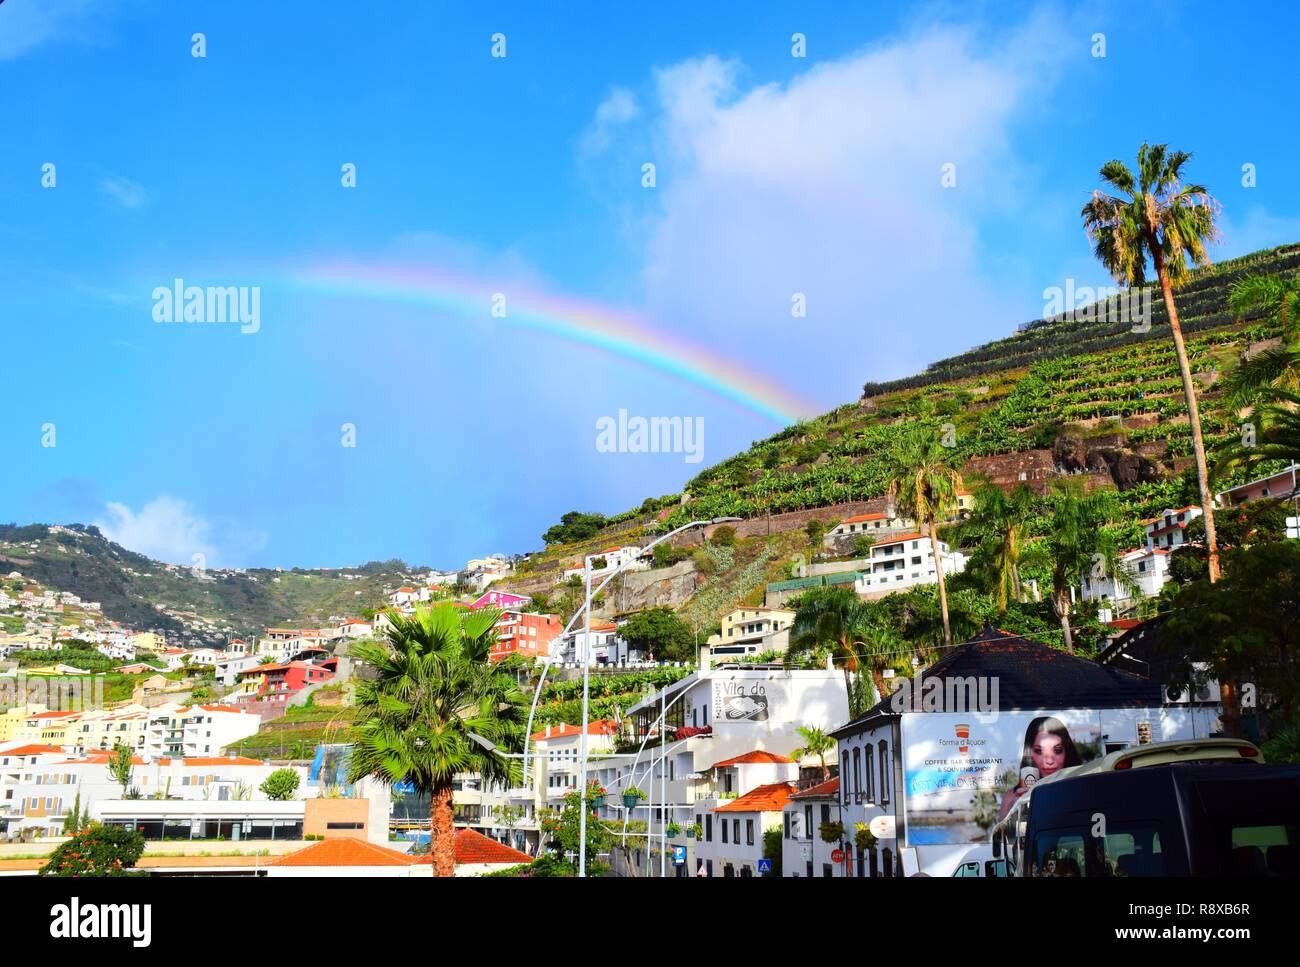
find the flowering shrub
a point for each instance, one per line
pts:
(97, 851)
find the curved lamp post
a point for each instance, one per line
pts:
(585, 612)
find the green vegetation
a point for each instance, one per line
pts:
(281, 785)
(97, 851)
(436, 707)
(658, 631)
(575, 526)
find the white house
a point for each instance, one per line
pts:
(803, 851)
(904, 561)
(751, 631)
(873, 525)
(1169, 528)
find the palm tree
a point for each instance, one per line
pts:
(437, 707)
(1156, 216)
(1279, 437)
(1002, 520)
(1078, 542)
(1277, 368)
(815, 742)
(923, 486)
(830, 618)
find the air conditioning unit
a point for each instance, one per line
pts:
(1208, 692)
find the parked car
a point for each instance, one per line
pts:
(980, 861)
(1147, 826)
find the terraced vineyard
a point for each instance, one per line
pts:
(1089, 376)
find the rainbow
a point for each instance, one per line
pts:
(614, 331)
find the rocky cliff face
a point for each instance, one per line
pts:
(1109, 453)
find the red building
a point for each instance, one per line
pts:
(521, 633)
(278, 682)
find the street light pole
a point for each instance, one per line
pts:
(586, 613)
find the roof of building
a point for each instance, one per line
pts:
(769, 798)
(1029, 674)
(858, 518)
(344, 852)
(830, 789)
(32, 750)
(474, 847)
(900, 538)
(757, 757)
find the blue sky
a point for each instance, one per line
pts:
(775, 175)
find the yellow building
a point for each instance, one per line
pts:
(14, 719)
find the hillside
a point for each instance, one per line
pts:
(210, 607)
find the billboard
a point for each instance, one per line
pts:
(962, 772)
(741, 700)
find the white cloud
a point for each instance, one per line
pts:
(829, 185)
(124, 191)
(616, 110)
(27, 24)
(166, 529)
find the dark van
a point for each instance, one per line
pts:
(1219, 818)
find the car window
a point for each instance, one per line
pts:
(1131, 850)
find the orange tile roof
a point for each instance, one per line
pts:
(52, 715)
(598, 727)
(344, 852)
(900, 538)
(751, 758)
(474, 847)
(861, 517)
(32, 750)
(217, 760)
(831, 788)
(770, 798)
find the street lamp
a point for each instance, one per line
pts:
(586, 669)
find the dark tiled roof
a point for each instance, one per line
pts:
(1030, 676)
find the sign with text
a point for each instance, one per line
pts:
(742, 700)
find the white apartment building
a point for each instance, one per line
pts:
(1169, 528)
(605, 648)
(873, 525)
(901, 562)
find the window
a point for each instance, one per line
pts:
(807, 827)
(786, 819)
(724, 830)
(810, 869)
(708, 833)
(868, 792)
(749, 832)
(857, 774)
(827, 870)
(884, 773)
(735, 831)
(826, 814)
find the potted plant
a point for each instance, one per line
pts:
(863, 838)
(596, 794)
(674, 830)
(832, 832)
(694, 831)
(631, 796)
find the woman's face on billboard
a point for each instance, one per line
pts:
(1049, 752)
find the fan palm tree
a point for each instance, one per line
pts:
(1079, 545)
(436, 694)
(1277, 368)
(830, 618)
(1279, 437)
(923, 484)
(815, 742)
(1002, 519)
(1156, 216)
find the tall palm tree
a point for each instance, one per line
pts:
(923, 484)
(1002, 519)
(435, 694)
(815, 742)
(1077, 542)
(1156, 216)
(1277, 368)
(830, 618)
